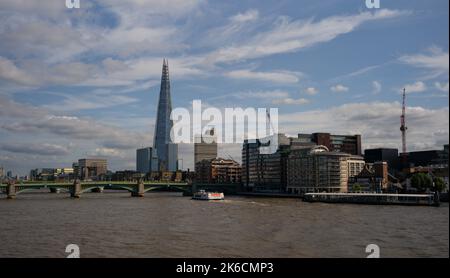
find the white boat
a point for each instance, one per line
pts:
(204, 195)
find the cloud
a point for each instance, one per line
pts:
(249, 15)
(36, 121)
(255, 94)
(36, 148)
(10, 72)
(311, 91)
(289, 36)
(435, 60)
(290, 101)
(444, 87)
(286, 77)
(377, 122)
(416, 87)
(339, 88)
(376, 87)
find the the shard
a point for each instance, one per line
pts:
(166, 151)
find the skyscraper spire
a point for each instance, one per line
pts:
(166, 151)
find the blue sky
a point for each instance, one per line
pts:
(85, 82)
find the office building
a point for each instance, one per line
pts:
(317, 169)
(383, 154)
(166, 150)
(429, 158)
(92, 168)
(267, 171)
(146, 160)
(350, 144)
(219, 171)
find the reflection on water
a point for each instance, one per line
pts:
(169, 225)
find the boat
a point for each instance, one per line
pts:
(207, 196)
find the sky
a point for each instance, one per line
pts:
(85, 82)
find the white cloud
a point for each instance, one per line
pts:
(436, 61)
(416, 87)
(339, 88)
(290, 101)
(290, 36)
(259, 94)
(249, 15)
(444, 87)
(311, 91)
(377, 122)
(10, 72)
(376, 87)
(274, 76)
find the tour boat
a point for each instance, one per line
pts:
(203, 195)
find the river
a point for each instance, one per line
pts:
(169, 225)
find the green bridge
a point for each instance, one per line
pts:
(137, 189)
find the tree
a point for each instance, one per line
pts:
(421, 182)
(439, 184)
(356, 187)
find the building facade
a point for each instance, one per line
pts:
(218, 171)
(205, 147)
(166, 150)
(373, 178)
(92, 168)
(383, 154)
(429, 158)
(264, 171)
(317, 169)
(146, 160)
(350, 144)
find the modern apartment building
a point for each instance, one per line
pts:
(317, 169)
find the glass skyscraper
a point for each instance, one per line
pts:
(166, 150)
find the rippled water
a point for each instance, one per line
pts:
(169, 225)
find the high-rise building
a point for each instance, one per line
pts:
(350, 144)
(266, 171)
(2, 172)
(92, 168)
(146, 160)
(166, 150)
(205, 147)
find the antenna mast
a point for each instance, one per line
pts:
(403, 127)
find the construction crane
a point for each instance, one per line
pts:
(403, 128)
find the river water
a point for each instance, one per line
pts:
(170, 225)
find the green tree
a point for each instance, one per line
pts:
(439, 184)
(356, 187)
(421, 182)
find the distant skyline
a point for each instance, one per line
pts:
(85, 82)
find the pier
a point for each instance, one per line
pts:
(374, 198)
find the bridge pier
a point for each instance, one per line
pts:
(55, 190)
(11, 191)
(75, 190)
(139, 192)
(98, 189)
